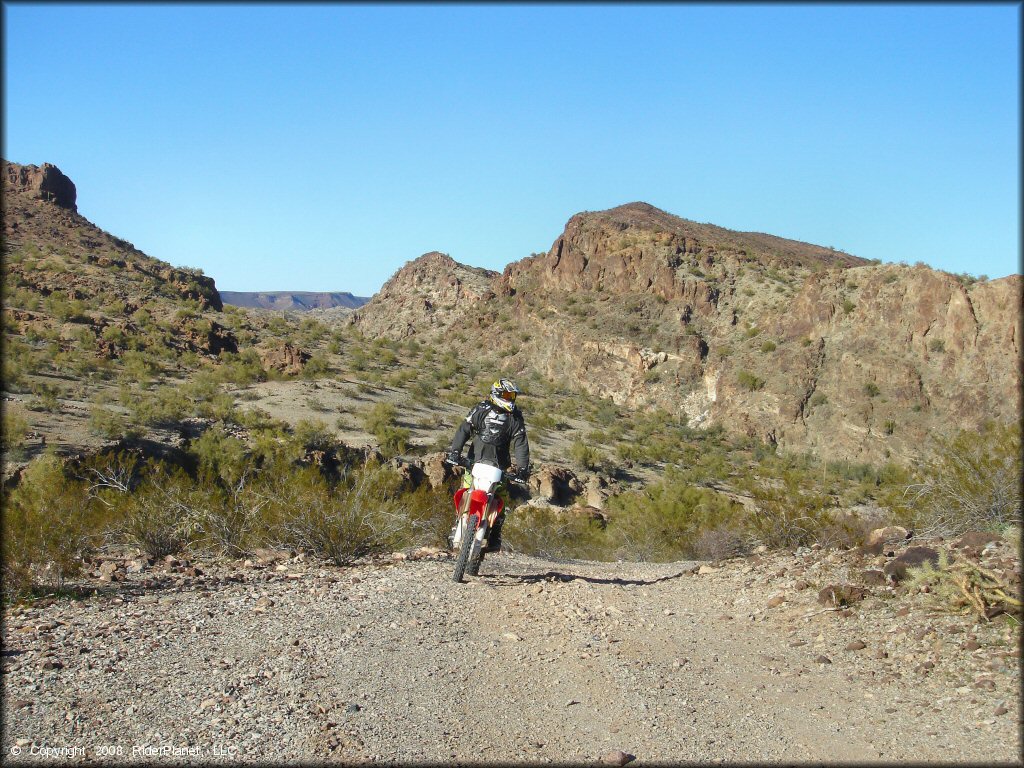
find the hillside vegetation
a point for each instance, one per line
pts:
(160, 419)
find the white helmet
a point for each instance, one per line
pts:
(503, 394)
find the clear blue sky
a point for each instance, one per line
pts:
(320, 147)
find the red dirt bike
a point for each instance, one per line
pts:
(476, 507)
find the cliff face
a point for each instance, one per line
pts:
(799, 345)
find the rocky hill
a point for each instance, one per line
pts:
(801, 346)
(292, 300)
(431, 292)
(64, 275)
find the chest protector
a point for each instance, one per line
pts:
(496, 428)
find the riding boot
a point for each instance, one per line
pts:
(494, 535)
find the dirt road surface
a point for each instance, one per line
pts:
(533, 662)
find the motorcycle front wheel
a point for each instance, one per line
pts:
(465, 548)
(476, 556)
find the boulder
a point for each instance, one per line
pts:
(841, 594)
(879, 538)
(555, 484)
(912, 557)
(285, 358)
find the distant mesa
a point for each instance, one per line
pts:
(45, 182)
(296, 300)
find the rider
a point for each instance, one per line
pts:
(499, 438)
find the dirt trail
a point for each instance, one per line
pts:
(559, 662)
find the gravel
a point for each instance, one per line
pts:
(535, 661)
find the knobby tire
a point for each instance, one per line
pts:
(473, 569)
(465, 548)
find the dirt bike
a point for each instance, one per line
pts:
(477, 508)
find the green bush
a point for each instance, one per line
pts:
(971, 481)
(749, 381)
(49, 524)
(160, 515)
(360, 517)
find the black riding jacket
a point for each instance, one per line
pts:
(496, 434)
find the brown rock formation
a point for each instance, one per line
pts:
(429, 292)
(45, 182)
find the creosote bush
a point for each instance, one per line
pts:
(972, 480)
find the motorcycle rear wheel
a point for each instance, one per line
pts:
(468, 535)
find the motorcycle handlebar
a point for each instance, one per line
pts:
(465, 465)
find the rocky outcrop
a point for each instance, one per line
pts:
(45, 182)
(284, 357)
(430, 292)
(637, 247)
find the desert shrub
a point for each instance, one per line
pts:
(749, 381)
(818, 398)
(431, 514)
(231, 520)
(848, 306)
(316, 367)
(242, 369)
(357, 518)
(768, 346)
(790, 509)
(584, 454)
(160, 515)
(964, 586)
(313, 435)
(554, 534)
(110, 424)
(49, 524)
(871, 389)
(719, 543)
(971, 481)
(15, 428)
(664, 521)
(222, 457)
(937, 345)
(379, 421)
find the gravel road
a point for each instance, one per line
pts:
(534, 661)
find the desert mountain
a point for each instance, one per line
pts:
(66, 276)
(796, 344)
(292, 300)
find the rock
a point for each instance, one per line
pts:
(617, 757)
(45, 182)
(284, 357)
(856, 645)
(841, 594)
(438, 472)
(776, 601)
(263, 604)
(556, 485)
(800, 585)
(890, 534)
(1001, 709)
(912, 557)
(873, 577)
(822, 659)
(705, 569)
(973, 543)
